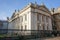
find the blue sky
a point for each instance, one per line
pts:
(7, 7)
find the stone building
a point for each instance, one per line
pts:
(56, 19)
(32, 17)
(3, 27)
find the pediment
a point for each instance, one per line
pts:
(44, 8)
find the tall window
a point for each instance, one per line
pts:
(47, 19)
(21, 27)
(40, 18)
(21, 18)
(43, 27)
(47, 28)
(38, 26)
(1, 24)
(37, 16)
(43, 18)
(25, 17)
(25, 27)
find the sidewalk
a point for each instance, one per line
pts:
(55, 38)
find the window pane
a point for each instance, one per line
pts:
(21, 27)
(21, 18)
(37, 16)
(25, 27)
(25, 17)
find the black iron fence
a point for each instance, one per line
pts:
(40, 33)
(28, 34)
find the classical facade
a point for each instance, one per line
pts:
(32, 17)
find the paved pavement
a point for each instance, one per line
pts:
(54, 38)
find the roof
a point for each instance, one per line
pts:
(3, 21)
(32, 5)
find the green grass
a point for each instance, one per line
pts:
(3, 35)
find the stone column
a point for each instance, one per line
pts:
(41, 23)
(45, 23)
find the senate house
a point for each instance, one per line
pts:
(34, 19)
(31, 17)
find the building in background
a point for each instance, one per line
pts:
(56, 19)
(32, 17)
(3, 26)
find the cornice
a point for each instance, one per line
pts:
(30, 5)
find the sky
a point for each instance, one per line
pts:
(7, 7)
